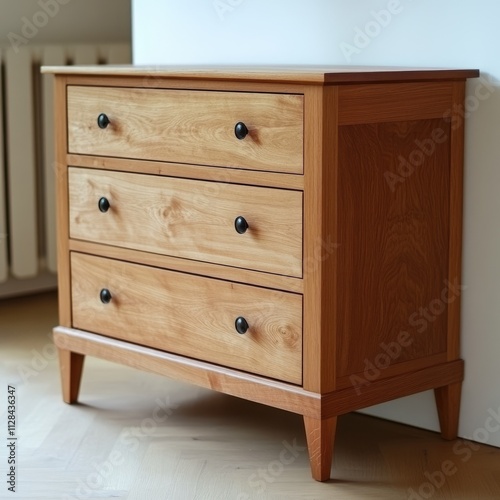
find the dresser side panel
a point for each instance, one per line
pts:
(456, 216)
(394, 198)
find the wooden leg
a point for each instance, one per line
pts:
(71, 366)
(320, 436)
(448, 406)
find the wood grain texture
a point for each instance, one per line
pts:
(189, 219)
(456, 215)
(448, 400)
(151, 80)
(62, 202)
(190, 315)
(70, 366)
(200, 172)
(218, 378)
(208, 269)
(187, 126)
(308, 74)
(382, 390)
(320, 435)
(361, 379)
(320, 239)
(394, 237)
(376, 103)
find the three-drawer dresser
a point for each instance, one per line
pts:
(291, 236)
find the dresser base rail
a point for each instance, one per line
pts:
(218, 378)
(320, 412)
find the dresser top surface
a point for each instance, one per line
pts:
(290, 74)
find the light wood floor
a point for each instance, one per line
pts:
(140, 436)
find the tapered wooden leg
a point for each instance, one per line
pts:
(71, 366)
(320, 436)
(448, 406)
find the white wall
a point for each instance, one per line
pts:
(447, 33)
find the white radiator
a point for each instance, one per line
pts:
(27, 190)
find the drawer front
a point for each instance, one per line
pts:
(188, 126)
(190, 315)
(189, 219)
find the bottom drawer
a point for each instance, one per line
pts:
(190, 315)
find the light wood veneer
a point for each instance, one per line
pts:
(189, 126)
(190, 219)
(180, 312)
(348, 276)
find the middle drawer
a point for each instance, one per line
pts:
(241, 226)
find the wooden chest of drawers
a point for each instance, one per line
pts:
(271, 233)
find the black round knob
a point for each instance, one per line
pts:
(105, 296)
(240, 224)
(241, 325)
(103, 205)
(103, 120)
(240, 130)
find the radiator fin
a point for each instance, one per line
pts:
(4, 270)
(21, 170)
(27, 156)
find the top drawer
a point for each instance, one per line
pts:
(189, 126)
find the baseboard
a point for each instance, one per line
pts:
(16, 287)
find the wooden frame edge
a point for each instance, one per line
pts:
(381, 391)
(251, 387)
